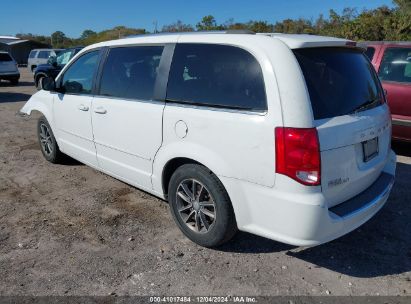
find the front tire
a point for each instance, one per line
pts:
(48, 143)
(201, 206)
(38, 83)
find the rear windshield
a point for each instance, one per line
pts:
(5, 57)
(340, 81)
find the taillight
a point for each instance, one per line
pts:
(298, 154)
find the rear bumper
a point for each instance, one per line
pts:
(304, 219)
(370, 198)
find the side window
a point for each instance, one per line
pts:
(370, 52)
(78, 78)
(216, 75)
(130, 72)
(5, 57)
(32, 54)
(396, 65)
(43, 54)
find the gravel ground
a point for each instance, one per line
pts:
(70, 230)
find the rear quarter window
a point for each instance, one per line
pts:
(5, 57)
(339, 80)
(396, 65)
(216, 75)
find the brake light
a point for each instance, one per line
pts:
(298, 154)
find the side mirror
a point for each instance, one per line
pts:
(52, 60)
(48, 84)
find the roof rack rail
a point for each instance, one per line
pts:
(240, 32)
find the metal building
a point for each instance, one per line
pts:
(20, 49)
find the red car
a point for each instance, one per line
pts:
(392, 61)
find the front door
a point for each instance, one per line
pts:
(72, 109)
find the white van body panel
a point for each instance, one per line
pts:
(120, 136)
(342, 147)
(41, 101)
(75, 139)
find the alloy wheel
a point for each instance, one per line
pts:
(46, 139)
(196, 206)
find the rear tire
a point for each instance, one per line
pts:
(201, 206)
(48, 143)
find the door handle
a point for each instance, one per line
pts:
(100, 110)
(83, 107)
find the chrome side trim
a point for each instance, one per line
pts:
(401, 122)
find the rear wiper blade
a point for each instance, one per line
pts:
(365, 105)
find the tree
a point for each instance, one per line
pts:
(87, 34)
(178, 26)
(404, 5)
(382, 23)
(208, 23)
(260, 26)
(57, 39)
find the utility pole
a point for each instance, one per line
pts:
(155, 27)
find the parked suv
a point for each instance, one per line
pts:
(392, 61)
(8, 68)
(40, 56)
(54, 65)
(284, 136)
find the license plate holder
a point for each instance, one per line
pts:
(370, 149)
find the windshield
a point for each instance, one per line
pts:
(64, 57)
(340, 81)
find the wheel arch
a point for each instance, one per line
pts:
(37, 77)
(37, 103)
(173, 155)
(170, 167)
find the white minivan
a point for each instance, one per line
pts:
(284, 136)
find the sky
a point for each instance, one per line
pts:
(73, 16)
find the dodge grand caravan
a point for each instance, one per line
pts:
(283, 136)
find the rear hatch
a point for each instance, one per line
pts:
(351, 117)
(7, 64)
